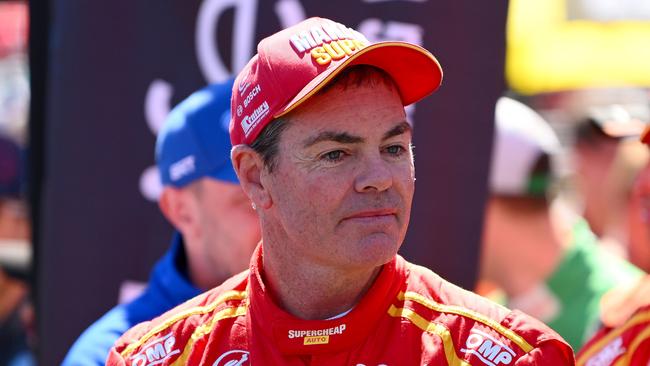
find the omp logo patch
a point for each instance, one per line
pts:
(233, 358)
(608, 354)
(316, 336)
(156, 351)
(488, 349)
(182, 168)
(249, 122)
(327, 42)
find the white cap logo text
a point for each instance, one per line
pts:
(181, 168)
(249, 122)
(330, 41)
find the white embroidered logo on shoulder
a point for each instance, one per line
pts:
(608, 354)
(156, 352)
(233, 358)
(488, 349)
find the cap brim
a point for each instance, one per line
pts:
(415, 71)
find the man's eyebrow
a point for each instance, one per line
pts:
(341, 137)
(401, 128)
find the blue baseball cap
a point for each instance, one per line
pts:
(194, 141)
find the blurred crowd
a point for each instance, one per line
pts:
(567, 221)
(16, 311)
(563, 230)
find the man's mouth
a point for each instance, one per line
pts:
(374, 214)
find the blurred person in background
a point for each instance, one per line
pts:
(217, 229)
(638, 219)
(16, 312)
(605, 160)
(625, 338)
(544, 258)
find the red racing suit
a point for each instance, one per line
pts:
(626, 345)
(409, 316)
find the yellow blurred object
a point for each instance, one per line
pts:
(548, 52)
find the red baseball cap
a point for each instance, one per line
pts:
(292, 65)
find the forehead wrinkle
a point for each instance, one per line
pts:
(341, 137)
(401, 128)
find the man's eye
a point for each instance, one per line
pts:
(395, 150)
(335, 155)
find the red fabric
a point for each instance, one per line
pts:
(626, 345)
(645, 136)
(13, 28)
(385, 328)
(284, 73)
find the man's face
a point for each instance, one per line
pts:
(229, 226)
(342, 188)
(639, 221)
(14, 220)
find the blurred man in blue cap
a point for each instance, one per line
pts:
(216, 227)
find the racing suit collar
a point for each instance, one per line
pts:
(291, 335)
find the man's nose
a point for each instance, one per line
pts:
(374, 174)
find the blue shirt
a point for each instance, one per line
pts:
(168, 286)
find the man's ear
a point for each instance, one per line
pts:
(176, 205)
(249, 167)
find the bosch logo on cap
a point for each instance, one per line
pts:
(253, 93)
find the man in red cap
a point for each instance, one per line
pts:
(625, 341)
(322, 148)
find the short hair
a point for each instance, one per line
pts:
(195, 188)
(266, 143)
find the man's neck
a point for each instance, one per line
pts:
(312, 291)
(201, 272)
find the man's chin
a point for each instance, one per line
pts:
(378, 249)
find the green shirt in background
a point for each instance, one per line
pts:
(585, 274)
